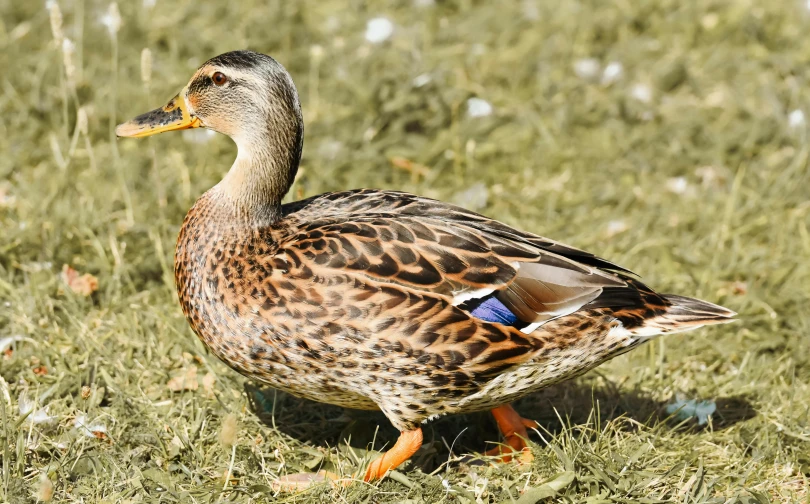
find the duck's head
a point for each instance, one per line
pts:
(251, 98)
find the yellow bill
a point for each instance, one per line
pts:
(172, 116)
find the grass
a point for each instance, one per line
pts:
(690, 167)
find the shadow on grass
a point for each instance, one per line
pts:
(567, 404)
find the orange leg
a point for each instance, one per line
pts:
(406, 445)
(513, 427)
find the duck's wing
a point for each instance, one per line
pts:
(425, 245)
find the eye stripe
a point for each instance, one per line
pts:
(199, 85)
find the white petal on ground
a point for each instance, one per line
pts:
(379, 30)
(615, 227)
(677, 185)
(24, 404)
(9, 340)
(587, 68)
(40, 416)
(642, 93)
(796, 119)
(88, 430)
(421, 80)
(612, 72)
(476, 107)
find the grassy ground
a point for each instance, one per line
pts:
(688, 165)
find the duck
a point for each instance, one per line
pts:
(383, 300)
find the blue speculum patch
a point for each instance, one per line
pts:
(490, 309)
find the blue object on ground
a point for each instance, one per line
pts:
(692, 408)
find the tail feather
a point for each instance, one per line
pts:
(684, 314)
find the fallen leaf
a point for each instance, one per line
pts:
(185, 380)
(208, 384)
(525, 457)
(83, 285)
(739, 288)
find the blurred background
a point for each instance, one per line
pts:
(667, 136)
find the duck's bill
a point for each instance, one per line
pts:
(172, 116)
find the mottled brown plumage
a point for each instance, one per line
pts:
(365, 299)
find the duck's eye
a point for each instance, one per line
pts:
(219, 78)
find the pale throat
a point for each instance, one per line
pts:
(258, 180)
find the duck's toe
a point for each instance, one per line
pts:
(513, 427)
(406, 445)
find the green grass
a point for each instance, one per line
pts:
(702, 190)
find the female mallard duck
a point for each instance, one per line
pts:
(375, 299)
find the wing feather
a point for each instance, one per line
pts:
(441, 249)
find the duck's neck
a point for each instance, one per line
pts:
(262, 174)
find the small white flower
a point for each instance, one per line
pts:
(796, 119)
(677, 185)
(615, 227)
(476, 107)
(642, 93)
(421, 80)
(149, 4)
(424, 3)
(379, 30)
(586, 68)
(612, 72)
